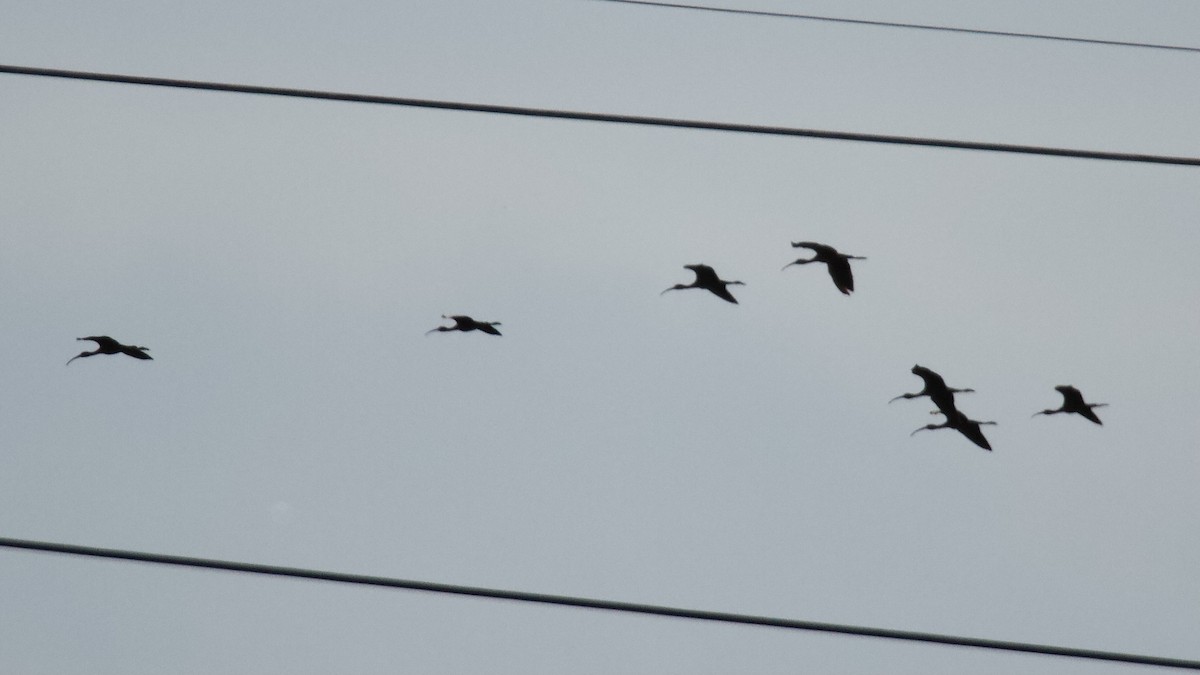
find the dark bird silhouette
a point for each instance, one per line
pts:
(1073, 403)
(838, 263)
(963, 425)
(935, 389)
(107, 345)
(706, 278)
(466, 324)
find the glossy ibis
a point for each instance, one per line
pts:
(1073, 403)
(838, 263)
(935, 389)
(706, 278)
(107, 345)
(466, 324)
(963, 425)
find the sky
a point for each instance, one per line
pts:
(282, 260)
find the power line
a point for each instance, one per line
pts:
(602, 117)
(895, 24)
(591, 603)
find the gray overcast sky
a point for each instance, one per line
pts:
(282, 259)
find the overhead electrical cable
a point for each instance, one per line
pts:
(897, 24)
(592, 603)
(600, 117)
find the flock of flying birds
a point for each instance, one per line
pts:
(838, 265)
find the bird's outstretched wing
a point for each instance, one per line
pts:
(723, 293)
(932, 379)
(811, 245)
(1072, 397)
(103, 342)
(971, 430)
(488, 327)
(843, 278)
(136, 352)
(705, 275)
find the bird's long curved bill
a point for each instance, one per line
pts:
(896, 399)
(914, 433)
(669, 289)
(70, 360)
(432, 330)
(800, 261)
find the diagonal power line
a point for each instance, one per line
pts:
(601, 117)
(896, 24)
(591, 603)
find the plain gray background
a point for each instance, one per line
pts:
(282, 258)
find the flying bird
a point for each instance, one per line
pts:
(706, 278)
(963, 425)
(1073, 403)
(936, 389)
(838, 263)
(107, 345)
(466, 324)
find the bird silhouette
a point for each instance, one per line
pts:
(107, 345)
(1073, 403)
(466, 324)
(838, 263)
(963, 425)
(706, 278)
(936, 389)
